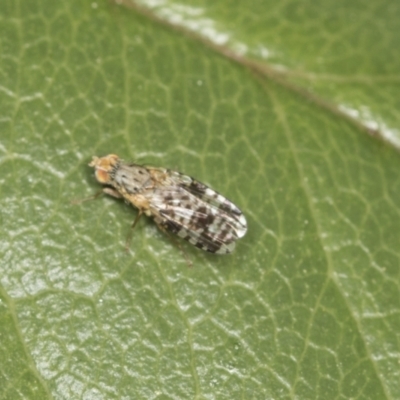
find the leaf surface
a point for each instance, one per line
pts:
(290, 110)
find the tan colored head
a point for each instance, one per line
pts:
(104, 166)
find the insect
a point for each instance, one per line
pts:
(178, 203)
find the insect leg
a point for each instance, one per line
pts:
(109, 191)
(129, 237)
(95, 196)
(176, 242)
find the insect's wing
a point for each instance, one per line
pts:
(215, 199)
(200, 223)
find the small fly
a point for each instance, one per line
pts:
(178, 203)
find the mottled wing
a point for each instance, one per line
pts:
(215, 199)
(200, 223)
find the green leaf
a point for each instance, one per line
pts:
(273, 104)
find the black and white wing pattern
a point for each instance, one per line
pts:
(213, 198)
(196, 213)
(178, 203)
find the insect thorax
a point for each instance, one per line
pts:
(132, 178)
